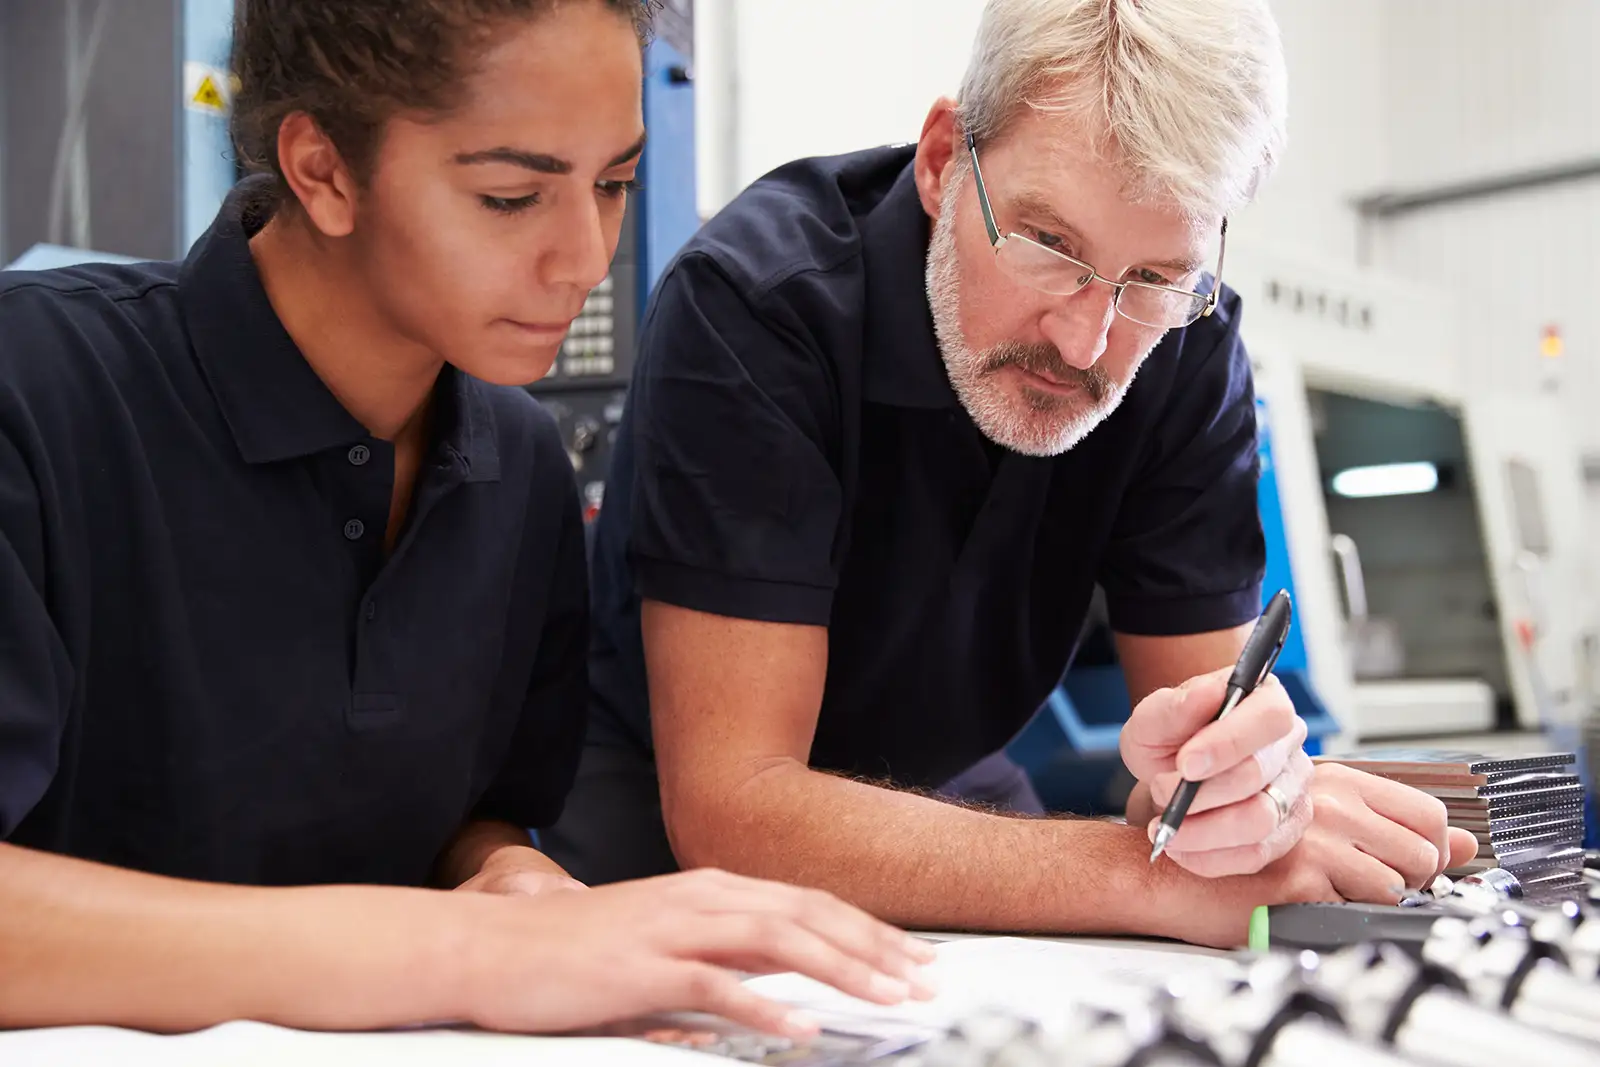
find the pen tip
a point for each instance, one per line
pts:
(1164, 835)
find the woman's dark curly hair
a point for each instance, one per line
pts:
(352, 64)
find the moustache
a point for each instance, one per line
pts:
(1046, 362)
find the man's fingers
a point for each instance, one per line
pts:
(1424, 815)
(1166, 719)
(1400, 849)
(1463, 847)
(1248, 859)
(1233, 785)
(1223, 863)
(1252, 820)
(1360, 878)
(1246, 823)
(846, 930)
(692, 986)
(1263, 718)
(1394, 844)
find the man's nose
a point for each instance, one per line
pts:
(1078, 324)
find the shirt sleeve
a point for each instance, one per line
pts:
(1186, 553)
(35, 670)
(735, 501)
(541, 762)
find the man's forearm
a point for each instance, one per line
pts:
(465, 856)
(81, 943)
(926, 864)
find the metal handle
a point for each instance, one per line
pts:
(1351, 579)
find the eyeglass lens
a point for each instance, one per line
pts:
(1039, 267)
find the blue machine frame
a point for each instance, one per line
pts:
(668, 207)
(206, 166)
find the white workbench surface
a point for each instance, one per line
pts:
(253, 1044)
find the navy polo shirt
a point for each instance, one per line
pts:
(794, 452)
(209, 665)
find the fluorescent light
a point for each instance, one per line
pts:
(1390, 479)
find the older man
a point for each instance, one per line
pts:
(896, 415)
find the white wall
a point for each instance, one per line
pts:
(1337, 148)
(826, 76)
(1483, 85)
(782, 80)
(1483, 88)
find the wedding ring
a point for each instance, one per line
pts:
(1280, 800)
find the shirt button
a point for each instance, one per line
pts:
(372, 611)
(359, 455)
(354, 529)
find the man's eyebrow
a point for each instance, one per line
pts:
(1030, 205)
(1033, 206)
(540, 162)
(1179, 266)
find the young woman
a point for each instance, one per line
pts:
(292, 600)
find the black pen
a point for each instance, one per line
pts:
(1255, 663)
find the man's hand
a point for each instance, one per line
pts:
(1369, 841)
(1372, 839)
(1235, 825)
(577, 960)
(518, 870)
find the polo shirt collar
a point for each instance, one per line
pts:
(272, 401)
(467, 430)
(902, 366)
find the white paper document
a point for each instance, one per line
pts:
(1041, 980)
(256, 1045)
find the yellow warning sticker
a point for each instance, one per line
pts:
(206, 89)
(209, 96)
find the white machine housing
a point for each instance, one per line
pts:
(1315, 325)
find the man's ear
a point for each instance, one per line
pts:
(317, 175)
(936, 152)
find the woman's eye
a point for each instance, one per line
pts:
(509, 205)
(616, 189)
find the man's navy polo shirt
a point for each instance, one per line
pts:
(794, 452)
(209, 667)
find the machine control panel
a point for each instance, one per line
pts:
(588, 420)
(590, 350)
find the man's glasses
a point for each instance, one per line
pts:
(1047, 270)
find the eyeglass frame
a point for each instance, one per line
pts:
(997, 241)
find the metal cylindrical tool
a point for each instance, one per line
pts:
(1423, 1012)
(1141, 1034)
(1275, 1017)
(1504, 967)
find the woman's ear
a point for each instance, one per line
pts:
(317, 175)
